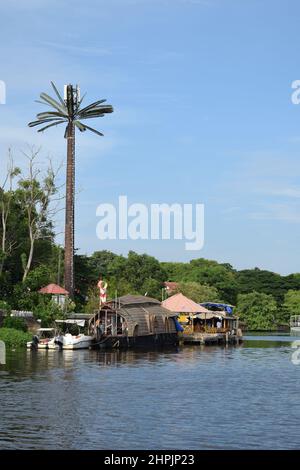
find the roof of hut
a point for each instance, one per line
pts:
(136, 309)
(180, 304)
(53, 289)
(135, 299)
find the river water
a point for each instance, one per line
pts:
(242, 397)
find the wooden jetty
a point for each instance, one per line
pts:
(210, 338)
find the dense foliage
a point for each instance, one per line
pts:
(14, 338)
(16, 323)
(258, 310)
(264, 299)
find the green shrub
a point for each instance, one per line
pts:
(14, 338)
(16, 323)
(47, 311)
(5, 306)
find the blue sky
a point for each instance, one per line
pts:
(203, 113)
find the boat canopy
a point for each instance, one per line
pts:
(72, 322)
(46, 329)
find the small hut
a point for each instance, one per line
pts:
(186, 310)
(132, 321)
(58, 293)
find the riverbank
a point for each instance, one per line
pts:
(14, 338)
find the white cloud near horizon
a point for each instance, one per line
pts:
(278, 212)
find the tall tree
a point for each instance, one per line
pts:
(6, 198)
(35, 194)
(199, 292)
(291, 305)
(259, 311)
(69, 111)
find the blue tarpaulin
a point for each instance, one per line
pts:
(228, 308)
(178, 326)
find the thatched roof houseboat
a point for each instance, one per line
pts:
(133, 321)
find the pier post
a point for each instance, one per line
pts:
(237, 331)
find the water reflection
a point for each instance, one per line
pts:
(192, 397)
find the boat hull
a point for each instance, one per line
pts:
(147, 341)
(74, 342)
(46, 345)
(295, 331)
(80, 345)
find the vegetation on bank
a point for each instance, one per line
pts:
(264, 299)
(14, 338)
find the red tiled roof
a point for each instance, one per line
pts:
(53, 289)
(171, 285)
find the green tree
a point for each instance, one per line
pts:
(199, 292)
(6, 200)
(206, 272)
(142, 268)
(35, 195)
(100, 261)
(257, 310)
(291, 305)
(47, 311)
(264, 281)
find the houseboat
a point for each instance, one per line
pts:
(206, 323)
(133, 321)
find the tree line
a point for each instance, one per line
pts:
(30, 259)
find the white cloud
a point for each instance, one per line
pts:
(291, 192)
(279, 212)
(71, 48)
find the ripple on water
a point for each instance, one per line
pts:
(193, 398)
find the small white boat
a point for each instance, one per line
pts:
(69, 341)
(45, 338)
(74, 341)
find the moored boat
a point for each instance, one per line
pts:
(45, 338)
(133, 321)
(73, 340)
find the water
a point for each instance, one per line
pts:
(244, 397)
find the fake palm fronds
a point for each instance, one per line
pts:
(69, 111)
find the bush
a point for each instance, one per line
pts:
(5, 306)
(258, 310)
(16, 323)
(47, 311)
(14, 338)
